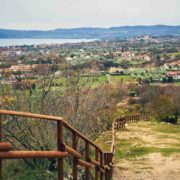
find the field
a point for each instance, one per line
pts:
(93, 81)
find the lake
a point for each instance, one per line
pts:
(21, 42)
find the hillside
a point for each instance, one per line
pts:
(95, 33)
(146, 151)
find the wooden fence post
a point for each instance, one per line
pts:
(108, 161)
(105, 163)
(111, 160)
(101, 162)
(60, 143)
(75, 162)
(97, 168)
(87, 159)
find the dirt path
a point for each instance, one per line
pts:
(147, 151)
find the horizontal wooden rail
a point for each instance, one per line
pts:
(85, 164)
(95, 163)
(80, 135)
(32, 154)
(102, 170)
(30, 115)
(5, 146)
(73, 152)
(49, 118)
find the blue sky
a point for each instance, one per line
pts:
(51, 14)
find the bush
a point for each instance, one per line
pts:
(172, 120)
(132, 93)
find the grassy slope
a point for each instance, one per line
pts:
(137, 146)
(141, 144)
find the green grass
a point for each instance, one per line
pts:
(167, 128)
(174, 54)
(123, 78)
(177, 83)
(135, 147)
(96, 81)
(169, 137)
(88, 81)
(104, 141)
(18, 170)
(134, 152)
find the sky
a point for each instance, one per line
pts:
(52, 14)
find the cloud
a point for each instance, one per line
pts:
(49, 14)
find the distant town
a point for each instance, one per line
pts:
(143, 60)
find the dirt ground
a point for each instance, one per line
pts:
(150, 165)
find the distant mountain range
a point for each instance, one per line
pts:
(94, 33)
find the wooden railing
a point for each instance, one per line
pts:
(121, 122)
(102, 162)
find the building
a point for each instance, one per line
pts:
(174, 74)
(116, 70)
(21, 67)
(172, 65)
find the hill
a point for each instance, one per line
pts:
(95, 33)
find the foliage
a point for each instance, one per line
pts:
(76, 102)
(164, 101)
(132, 93)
